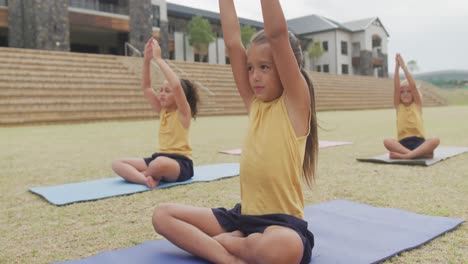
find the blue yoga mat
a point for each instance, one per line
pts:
(440, 153)
(109, 187)
(345, 232)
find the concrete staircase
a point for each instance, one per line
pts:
(46, 87)
(55, 87)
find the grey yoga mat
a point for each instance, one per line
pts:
(345, 232)
(440, 153)
(109, 187)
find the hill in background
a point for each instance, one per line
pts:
(445, 79)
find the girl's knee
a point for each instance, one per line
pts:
(160, 216)
(116, 164)
(270, 247)
(159, 164)
(388, 141)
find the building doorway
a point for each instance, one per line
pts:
(95, 40)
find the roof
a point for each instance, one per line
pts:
(300, 26)
(314, 24)
(189, 12)
(363, 24)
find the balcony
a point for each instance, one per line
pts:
(377, 61)
(100, 6)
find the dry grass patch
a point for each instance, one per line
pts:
(34, 231)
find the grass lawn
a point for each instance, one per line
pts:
(34, 231)
(455, 96)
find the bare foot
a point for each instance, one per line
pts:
(237, 233)
(225, 239)
(150, 182)
(428, 156)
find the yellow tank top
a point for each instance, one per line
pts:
(409, 121)
(173, 136)
(271, 162)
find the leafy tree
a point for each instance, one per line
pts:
(412, 66)
(315, 51)
(246, 33)
(200, 35)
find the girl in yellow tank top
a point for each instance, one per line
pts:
(279, 151)
(412, 142)
(176, 105)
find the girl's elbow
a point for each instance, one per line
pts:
(278, 33)
(277, 37)
(232, 46)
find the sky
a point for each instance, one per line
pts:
(434, 33)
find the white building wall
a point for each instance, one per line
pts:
(376, 30)
(162, 8)
(340, 58)
(359, 37)
(188, 50)
(212, 56)
(179, 46)
(221, 51)
(329, 57)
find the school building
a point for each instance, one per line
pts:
(121, 27)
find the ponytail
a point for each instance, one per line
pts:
(191, 93)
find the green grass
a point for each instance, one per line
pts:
(455, 96)
(34, 231)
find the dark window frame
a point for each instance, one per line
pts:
(325, 46)
(344, 48)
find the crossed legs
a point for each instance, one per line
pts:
(197, 231)
(135, 170)
(398, 151)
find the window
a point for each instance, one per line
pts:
(356, 49)
(171, 28)
(156, 16)
(200, 57)
(344, 48)
(319, 68)
(344, 69)
(326, 68)
(376, 41)
(325, 46)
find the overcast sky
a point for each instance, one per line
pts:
(432, 32)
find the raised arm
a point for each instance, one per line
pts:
(412, 84)
(296, 91)
(174, 82)
(149, 93)
(235, 50)
(396, 82)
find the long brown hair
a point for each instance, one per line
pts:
(191, 93)
(309, 165)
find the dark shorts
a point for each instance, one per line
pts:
(185, 164)
(232, 220)
(412, 142)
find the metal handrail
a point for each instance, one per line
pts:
(128, 45)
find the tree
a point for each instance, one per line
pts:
(246, 33)
(315, 51)
(200, 35)
(412, 66)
